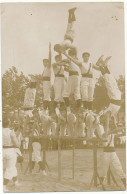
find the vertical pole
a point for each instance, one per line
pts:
(108, 177)
(50, 54)
(59, 159)
(44, 151)
(30, 154)
(95, 163)
(73, 160)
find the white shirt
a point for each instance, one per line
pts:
(74, 67)
(47, 72)
(112, 87)
(85, 67)
(110, 141)
(6, 133)
(58, 70)
(110, 138)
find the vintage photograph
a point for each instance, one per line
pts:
(63, 96)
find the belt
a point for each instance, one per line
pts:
(109, 149)
(73, 73)
(87, 75)
(116, 102)
(9, 147)
(59, 75)
(46, 78)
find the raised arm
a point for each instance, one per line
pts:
(73, 60)
(61, 63)
(96, 67)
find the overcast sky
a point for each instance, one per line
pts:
(27, 29)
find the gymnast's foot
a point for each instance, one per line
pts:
(44, 173)
(73, 9)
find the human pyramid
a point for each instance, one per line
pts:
(80, 83)
(61, 120)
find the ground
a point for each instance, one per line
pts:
(36, 182)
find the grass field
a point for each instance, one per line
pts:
(36, 182)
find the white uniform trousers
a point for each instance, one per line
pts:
(59, 84)
(111, 159)
(87, 89)
(47, 90)
(51, 129)
(69, 35)
(72, 87)
(113, 108)
(9, 163)
(112, 87)
(36, 154)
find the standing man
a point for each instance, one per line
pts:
(112, 90)
(46, 84)
(10, 143)
(109, 158)
(87, 82)
(36, 154)
(69, 35)
(59, 82)
(73, 82)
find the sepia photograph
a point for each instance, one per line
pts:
(63, 96)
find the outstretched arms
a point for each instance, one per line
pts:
(72, 59)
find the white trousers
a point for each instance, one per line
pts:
(36, 154)
(113, 108)
(72, 87)
(51, 128)
(9, 163)
(112, 87)
(87, 89)
(111, 159)
(47, 90)
(70, 31)
(59, 84)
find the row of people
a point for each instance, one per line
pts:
(11, 144)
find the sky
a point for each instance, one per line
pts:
(27, 29)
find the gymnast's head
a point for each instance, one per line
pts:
(85, 57)
(72, 52)
(45, 62)
(58, 58)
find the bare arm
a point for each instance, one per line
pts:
(61, 63)
(73, 60)
(96, 67)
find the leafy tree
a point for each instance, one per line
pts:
(13, 88)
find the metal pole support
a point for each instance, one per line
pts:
(59, 159)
